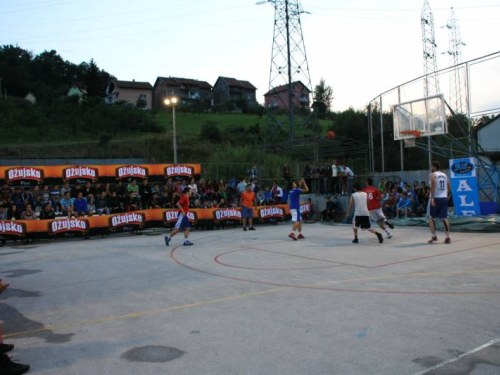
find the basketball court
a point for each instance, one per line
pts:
(255, 303)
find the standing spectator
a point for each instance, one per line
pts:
(253, 173)
(28, 214)
(268, 196)
(166, 199)
(260, 197)
(247, 200)
(46, 194)
(97, 189)
(87, 189)
(223, 189)
(194, 188)
(335, 177)
(286, 173)
(350, 178)
(76, 190)
(145, 194)
(47, 212)
(102, 205)
(67, 205)
(155, 201)
(27, 197)
(121, 190)
(80, 206)
(132, 202)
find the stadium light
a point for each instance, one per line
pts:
(172, 102)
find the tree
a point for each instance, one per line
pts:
(323, 95)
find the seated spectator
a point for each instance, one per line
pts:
(78, 188)
(3, 212)
(67, 205)
(132, 202)
(121, 190)
(97, 189)
(108, 189)
(13, 212)
(47, 212)
(28, 214)
(329, 212)
(312, 211)
(133, 187)
(65, 188)
(260, 197)
(215, 204)
(46, 194)
(102, 204)
(27, 197)
(390, 206)
(55, 197)
(194, 188)
(222, 203)
(6, 192)
(268, 196)
(145, 194)
(166, 199)
(277, 193)
(38, 203)
(87, 189)
(91, 204)
(404, 205)
(115, 203)
(80, 206)
(155, 201)
(175, 199)
(196, 204)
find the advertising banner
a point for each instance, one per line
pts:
(127, 219)
(11, 228)
(24, 173)
(80, 172)
(464, 186)
(271, 211)
(171, 216)
(68, 225)
(221, 214)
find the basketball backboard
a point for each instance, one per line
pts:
(426, 116)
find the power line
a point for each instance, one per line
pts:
(131, 24)
(401, 9)
(103, 16)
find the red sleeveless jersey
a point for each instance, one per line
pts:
(374, 196)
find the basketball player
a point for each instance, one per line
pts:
(182, 220)
(359, 200)
(375, 208)
(438, 201)
(295, 208)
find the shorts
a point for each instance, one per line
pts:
(377, 215)
(440, 210)
(362, 222)
(182, 222)
(296, 216)
(246, 212)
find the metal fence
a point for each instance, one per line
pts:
(478, 97)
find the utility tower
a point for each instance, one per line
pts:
(289, 97)
(457, 82)
(431, 82)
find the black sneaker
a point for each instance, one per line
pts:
(245, 229)
(380, 237)
(11, 368)
(389, 224)
(355, 240)
(4, 348)
(251, 228)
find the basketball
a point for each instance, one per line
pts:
(330, 134)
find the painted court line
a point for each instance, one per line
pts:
(445, 363)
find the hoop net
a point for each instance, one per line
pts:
(411, 136)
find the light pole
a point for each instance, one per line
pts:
(172, 102)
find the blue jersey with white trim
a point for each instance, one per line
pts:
(295, 198)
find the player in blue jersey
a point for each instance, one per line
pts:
(295, 208)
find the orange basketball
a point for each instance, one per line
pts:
(330, 134)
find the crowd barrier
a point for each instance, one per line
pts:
(138, 220)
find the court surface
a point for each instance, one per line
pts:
(255, 303)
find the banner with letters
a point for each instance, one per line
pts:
(464, 186)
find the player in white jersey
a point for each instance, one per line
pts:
(359, 200)
(438, 201)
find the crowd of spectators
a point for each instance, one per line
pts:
(96, 198)
(402, 200)
(328, 178)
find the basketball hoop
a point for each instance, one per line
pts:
(412, 135)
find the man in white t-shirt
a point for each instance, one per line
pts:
(438, 202)
(361, 214)
(335, 177)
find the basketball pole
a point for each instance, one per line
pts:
(382, 134)
(401, 142)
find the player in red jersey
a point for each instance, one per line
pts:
(182, 220)
(375, 208)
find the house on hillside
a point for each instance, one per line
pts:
(278, 96)
(233, 90)
(130, 91)
(77, 89)
(30, 98)
(187, 90)
(488, 136)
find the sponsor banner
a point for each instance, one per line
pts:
(68, 225)
(171, 216)
(24, 173)
(271, 211)
(80, 172)
(179, 170)
(305, 208)
(464, 186)
(127, 219)
(131, 171)
(221, 214)
(12, 228)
